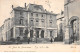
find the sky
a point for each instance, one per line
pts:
(5, 6)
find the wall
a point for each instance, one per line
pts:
(72, 9)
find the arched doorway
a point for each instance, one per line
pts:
(42, 34)
(37, 32)
(31, 33)
(74, 30)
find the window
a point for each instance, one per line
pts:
(20, 13)
(42, 21)
(42, 15)
(31, 14)
(31, 20)
(50, 22)
(36, 15)
(21, 21)
(37, 21)
(32, 23)
(51, 33)
(50, 16)
(37, 8)
(21, 31)
(11, 32)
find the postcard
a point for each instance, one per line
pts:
(39, 26)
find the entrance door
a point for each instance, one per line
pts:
(37, 34)
(42, 34)
(50, 33)
(31, 33)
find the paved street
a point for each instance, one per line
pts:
(54, 47)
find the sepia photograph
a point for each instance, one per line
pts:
(39, 25)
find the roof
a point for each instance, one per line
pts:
(7, 19)
(19, 8)
(33, 8)
(50, 13)
(2, 27)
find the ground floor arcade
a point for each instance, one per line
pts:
(22, 31)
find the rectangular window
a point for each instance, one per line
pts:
(21, 21)
(51, 33)
(32, 23)
(36, 15)
(42, 21)
(50, 24)
(50, 16)
(21, 13)
(31, 14)
(31, 20)
(37, 21)
(21, 31)
(42, 15)
(11, 32)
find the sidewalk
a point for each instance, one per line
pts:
(44, 43)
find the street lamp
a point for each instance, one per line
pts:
(29, 28)
(35, 35)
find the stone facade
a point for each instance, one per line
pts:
(60, 26)
(6, 30)
(30, 21)
(72, 19)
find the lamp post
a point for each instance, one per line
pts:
(35, 35)
(29, 28)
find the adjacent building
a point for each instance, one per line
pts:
(72, 20)
(31, 21)
(60, 26)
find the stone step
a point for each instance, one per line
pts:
(76, 42)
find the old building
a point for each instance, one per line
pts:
(72, 19)
(6, 30)
(31, 21)
(1, 32)
(60, 26)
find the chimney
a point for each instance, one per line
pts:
(12, 6)
(25, 5)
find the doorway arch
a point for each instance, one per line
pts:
(74, 28)
(42, 34)
(31, 33)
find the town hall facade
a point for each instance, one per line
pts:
(31, 21)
